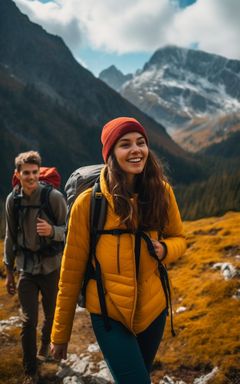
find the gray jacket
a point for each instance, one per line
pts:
(28, 238)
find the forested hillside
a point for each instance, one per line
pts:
(218, 194)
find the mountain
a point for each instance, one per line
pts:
(220, 191)
(51, 103)
(194, 94)
(227, 149)
(30, 120)
(113, 77)
(203, 132)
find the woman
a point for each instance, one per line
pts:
(141, 204)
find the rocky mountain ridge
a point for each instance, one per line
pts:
(114, 77)
(194, 94)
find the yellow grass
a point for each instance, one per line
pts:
(207, 332)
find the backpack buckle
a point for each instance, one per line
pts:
(98, 195)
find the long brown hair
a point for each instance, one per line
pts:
(150, 185)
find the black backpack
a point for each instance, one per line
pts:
(80, 180)
(46, 249)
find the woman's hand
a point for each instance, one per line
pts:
(160, 250)
(59, 351)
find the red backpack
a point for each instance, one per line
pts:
(48, 175)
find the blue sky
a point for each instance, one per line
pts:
(127, 32)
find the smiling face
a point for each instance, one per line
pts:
(29, 177)
(131, 152)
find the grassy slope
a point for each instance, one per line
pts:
(208, 331)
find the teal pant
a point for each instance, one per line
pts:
(129, 357)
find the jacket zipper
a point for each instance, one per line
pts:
(118, 254)
(136, 286)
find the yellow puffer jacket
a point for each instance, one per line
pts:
(136, 303)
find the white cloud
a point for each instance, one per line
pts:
(57, 18)
(134, 26)
(139, 25)
(213, 24)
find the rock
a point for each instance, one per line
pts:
(93, 348)
(73, 380)
(206, 378)
(237, 295)
(168, 380)
(73, 365)
(103, 372)
(227, 269)
(74, 369)
(181, 309)
(80, 309)
(13, 321)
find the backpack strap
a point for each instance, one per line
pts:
(45, 202)
(45, 249)
(17, 208)
(17, 197)
(55, 247)
(163, 273)
(98, 211)
(163, 277)
(97, 220)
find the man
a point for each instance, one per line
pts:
(32, 242)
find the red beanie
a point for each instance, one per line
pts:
(116, 128)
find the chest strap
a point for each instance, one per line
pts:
(97, 274)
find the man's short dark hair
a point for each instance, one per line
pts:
(30, 157)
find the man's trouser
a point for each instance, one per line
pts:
(29, 287)
(129, 357)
